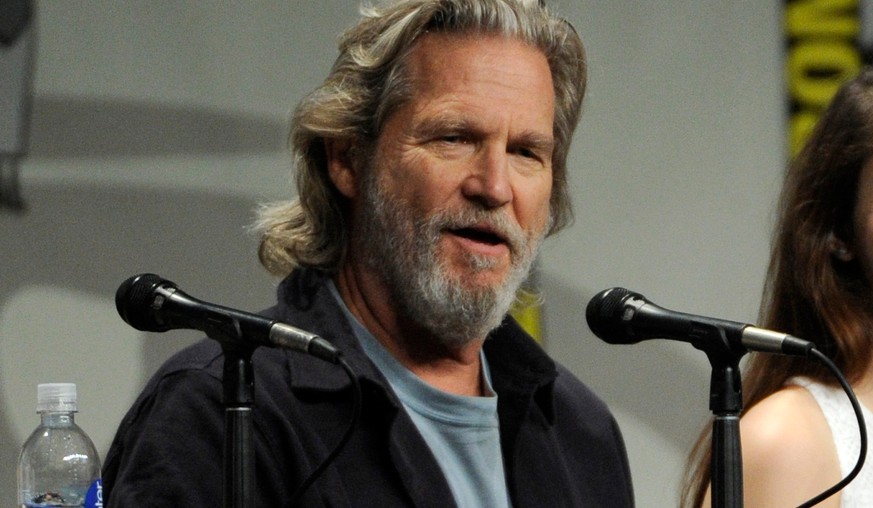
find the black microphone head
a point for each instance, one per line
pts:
(134, 299)
(604, 315)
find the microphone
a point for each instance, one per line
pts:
(150, 303)
(619, 316)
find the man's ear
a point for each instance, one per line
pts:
(340, 167)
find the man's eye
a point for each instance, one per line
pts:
(527, 153)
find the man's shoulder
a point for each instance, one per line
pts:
(195, 369)
(517, 354)
(574, 397)
(199, 368)
(201, 355)
(568, 385)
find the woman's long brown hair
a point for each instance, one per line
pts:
(809, 293)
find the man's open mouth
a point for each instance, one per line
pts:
(479, 235)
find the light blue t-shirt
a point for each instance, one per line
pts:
(462, 432)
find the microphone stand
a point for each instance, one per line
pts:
(725, 402)
(238, 454)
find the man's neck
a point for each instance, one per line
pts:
(457, 371)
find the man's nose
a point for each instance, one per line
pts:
(488, 182)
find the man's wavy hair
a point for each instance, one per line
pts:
(369, 81)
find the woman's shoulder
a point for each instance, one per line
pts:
(788, 449)
(785, 416)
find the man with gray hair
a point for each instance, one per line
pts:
(431, 164)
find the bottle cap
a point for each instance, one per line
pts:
(56, 397)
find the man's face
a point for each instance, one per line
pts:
(456, 201)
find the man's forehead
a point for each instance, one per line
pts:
(429, 46)
(462, 70)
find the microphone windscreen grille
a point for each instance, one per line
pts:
(134, 298)
(604, 314)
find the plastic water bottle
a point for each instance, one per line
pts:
(58, 465)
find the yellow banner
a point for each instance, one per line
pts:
(824, 44)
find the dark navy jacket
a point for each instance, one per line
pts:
(561, 446)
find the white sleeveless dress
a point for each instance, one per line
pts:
(844, 426)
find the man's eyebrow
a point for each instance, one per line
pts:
(441, 124)
(534, 140)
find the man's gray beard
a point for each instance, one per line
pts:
(402, 248)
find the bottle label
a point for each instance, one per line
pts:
(94, 497)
